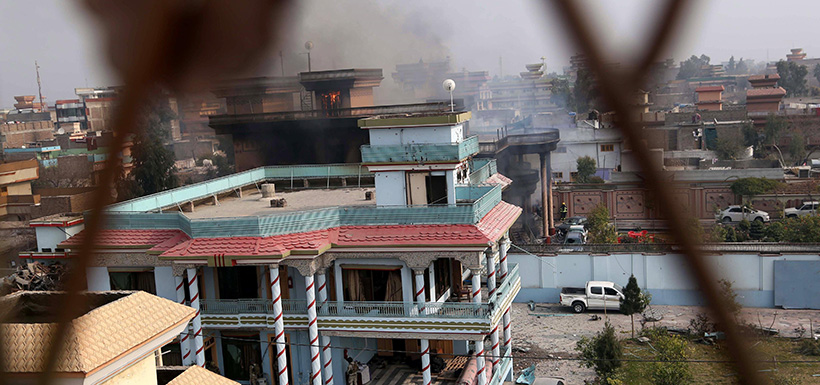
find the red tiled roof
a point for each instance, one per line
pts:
(756, 92)
(125, 238)
(169, 243)
(499, 179)
(488, 229)
(709, 88)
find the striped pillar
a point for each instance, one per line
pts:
(476, 286)
(480, 360)
(313, 332)
(495, 348)
(491, 286)
(502, 250)
(327, 356)
(507, 332)
(184, 341)
(479, 345)
(427, 377)
(193, 291)
(278, 325)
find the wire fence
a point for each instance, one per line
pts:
(177, 43)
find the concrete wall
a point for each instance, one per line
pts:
(416, 135)
(663, 275)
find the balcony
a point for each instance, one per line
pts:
(371, 316)
(420, 153)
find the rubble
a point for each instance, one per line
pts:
(34, 276)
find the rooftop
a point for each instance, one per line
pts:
(252, 204)
(415, 119)
(758, 92)
(197, 375)
(112, 325)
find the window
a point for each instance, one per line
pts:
(238, 282)
(239, 352)
(558, 175)
(610, 291)
(735, 210)
(607, 147)
(133, 280)
(596, 290)
(573, 175)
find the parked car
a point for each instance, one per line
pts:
(596, 295)
(808, 208)
(571, 221)
(739, 213)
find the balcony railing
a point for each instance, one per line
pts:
(449, 310)
(420, 153)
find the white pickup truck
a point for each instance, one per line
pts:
(598, 295)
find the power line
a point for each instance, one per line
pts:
(539, 358)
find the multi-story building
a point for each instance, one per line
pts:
(296, 280)
(16, 197)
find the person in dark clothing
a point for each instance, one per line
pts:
(563, 210)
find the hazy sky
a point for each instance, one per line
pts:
(353, 33)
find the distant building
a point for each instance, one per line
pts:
(709, 98)
(306, 119)
(16, 197)
(764, 97)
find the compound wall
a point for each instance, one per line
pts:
(665, 276)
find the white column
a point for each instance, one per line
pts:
(184, 341)
(479, 345)
(193, 291)
(313, 332)
(502, 249)
(327, 356)
(278, 325)
(507, 332)
(427, 377)
(432, 282)
(479, 357)
(491, 285)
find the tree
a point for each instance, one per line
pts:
(749, 187)
(560, 95)
(153, 163)
(816, 72)
(772, 131)
(729, 296)
(585, 93)
(741, 68)
(670, 368)
(586, 168)
(598, 227)
(692, 67)
(602, 353)
(635, 301)
(731, 66)
(792, 78)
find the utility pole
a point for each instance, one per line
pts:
(282, 63)
(43, 107)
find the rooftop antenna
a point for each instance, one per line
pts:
(308, 47)
(43, 107)
(450, 85)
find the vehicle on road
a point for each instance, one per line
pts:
(596, 295)
(563, 228)
(808, 208)
(739, 213)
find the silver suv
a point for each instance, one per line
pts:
(808, 208)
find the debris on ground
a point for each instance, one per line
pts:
(35, 276)
(594, 317)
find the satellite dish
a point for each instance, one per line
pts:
(449, 85)
(60, 131)
(309, 45)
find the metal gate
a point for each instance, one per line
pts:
(796, 284)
